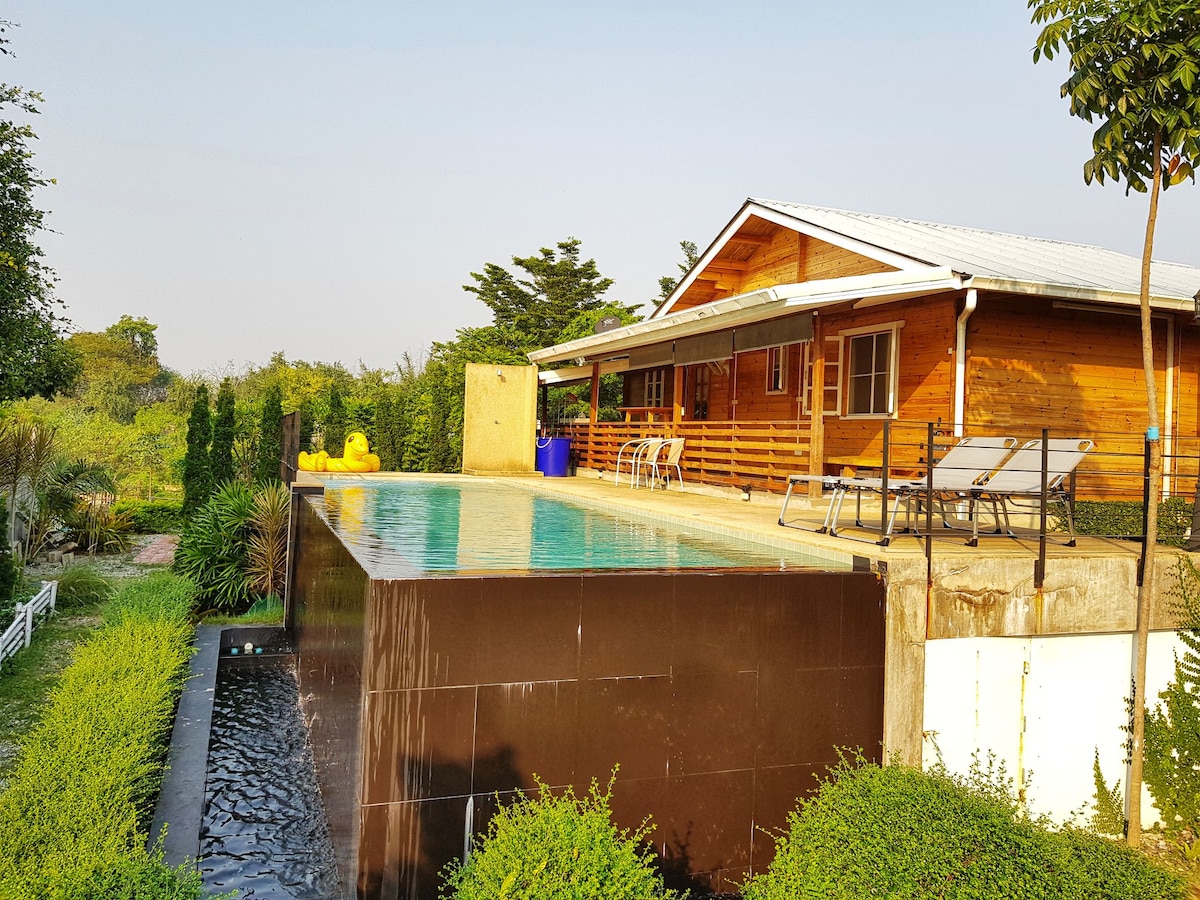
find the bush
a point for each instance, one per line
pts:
(1123, 519)
(71, 818)
(212, 551)
(152, 517)
(895, 831)
(80, 586)
(562, 846)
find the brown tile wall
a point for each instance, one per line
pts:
(720, 696)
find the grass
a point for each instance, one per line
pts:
(29, 676)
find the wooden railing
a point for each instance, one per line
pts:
(761, 454)
(27, 617)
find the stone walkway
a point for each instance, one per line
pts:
(160, 551)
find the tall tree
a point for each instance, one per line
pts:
(334, 427)
(537, 307)
(197, 468)
(667, 283)
(223, 433)
(1134, 66)
(33, 357)
(270, 437)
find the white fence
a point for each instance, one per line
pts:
(28, 617)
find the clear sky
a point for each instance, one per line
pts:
(322, 178)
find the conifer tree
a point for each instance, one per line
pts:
(221, 454)
(384, 446)
(197, 468)
(335, 422)
(270, 437)
(306, 425)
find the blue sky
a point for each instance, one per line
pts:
(321, 179)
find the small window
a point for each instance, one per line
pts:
(654, 388)
(700, 399)
(872, 373)
(776, 370)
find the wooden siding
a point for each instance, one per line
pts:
(1077, 372)
(823, 260)
(925, 388)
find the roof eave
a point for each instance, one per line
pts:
(1077, 292)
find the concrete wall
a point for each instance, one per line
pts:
(1044, 706)
(981, 661)
(499, 420)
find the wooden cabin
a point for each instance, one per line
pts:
(801, 331)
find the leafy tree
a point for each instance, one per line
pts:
(1134, 66)
(270, 437)
(334, 430)
(33, 357)
(224, 430)
(667, 283)
(305, 408)
(120, 372)
(197, 469)
(535, 309)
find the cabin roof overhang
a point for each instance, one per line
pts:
(755, 306)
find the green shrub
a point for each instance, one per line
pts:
(547, 847)
(152, 517)
(72, 818)
(1172, 748)
(896, 831)
(81, 586)
(1123, 519)
(212, 551)
(10, 572)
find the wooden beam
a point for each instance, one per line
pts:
(677, 397)
(760, 240)
(595, 405)
(816, 408)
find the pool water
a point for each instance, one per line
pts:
(401, 529)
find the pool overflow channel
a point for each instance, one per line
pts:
(240, 795)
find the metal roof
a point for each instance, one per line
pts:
(996, 255)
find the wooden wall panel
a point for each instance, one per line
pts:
(823, 260)
(1077, 372)
(778, 263)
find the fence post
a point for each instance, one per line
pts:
(883, 484)
(1039, 573)
(27, 609)
(53, 594)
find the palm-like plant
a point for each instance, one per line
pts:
(212, 551)
(76, 496)
(266, 548)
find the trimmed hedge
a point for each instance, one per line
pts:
(152, 517)
(1123, 519)
(896, 831)
(73, 817)
(557, 848)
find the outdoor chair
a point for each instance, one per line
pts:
(633, 454)
(1021, 478)
(664, 458)
(964, 466)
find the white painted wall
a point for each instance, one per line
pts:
(1043, 705)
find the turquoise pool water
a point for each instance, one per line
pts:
(400, 529)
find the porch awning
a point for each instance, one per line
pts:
(756, 306)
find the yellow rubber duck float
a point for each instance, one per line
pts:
(356, 457)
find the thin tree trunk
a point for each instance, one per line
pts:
(1147, 590)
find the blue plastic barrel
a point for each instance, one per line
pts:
(552, 456)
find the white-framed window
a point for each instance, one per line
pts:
(777, 370)
(871, 369)
(831, 386)
(654, 388)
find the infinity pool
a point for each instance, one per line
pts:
(405, 528)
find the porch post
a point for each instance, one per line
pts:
(816, 409)
(677, 385)
(594, 412)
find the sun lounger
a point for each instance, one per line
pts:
(1021, 477)
(965, 464)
